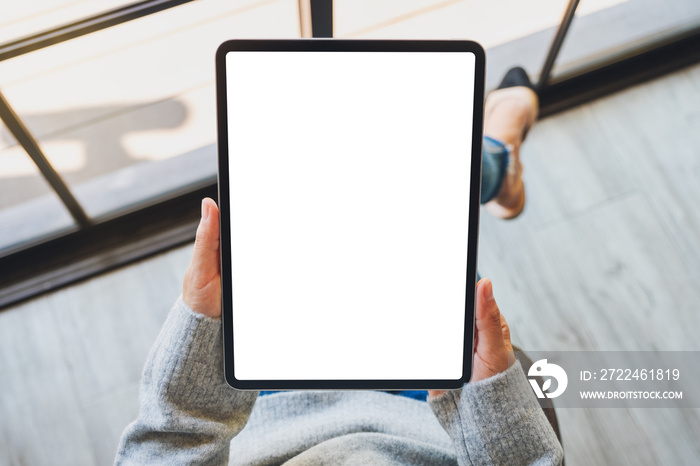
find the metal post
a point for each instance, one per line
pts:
(557, 43)
(322, 18)
(27, 141)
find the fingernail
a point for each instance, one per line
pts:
(205, 210)
(488, 292)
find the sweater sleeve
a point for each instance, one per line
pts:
(187, 412)
(498, 421)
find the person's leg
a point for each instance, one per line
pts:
(494, 164)
(508, 115)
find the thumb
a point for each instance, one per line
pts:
(201, 289)
(488, 317)
(205, 256)
(491, 354)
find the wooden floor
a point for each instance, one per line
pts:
(606, 256)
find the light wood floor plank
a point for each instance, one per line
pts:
(115, 318)
(607, 254)
(106, 418)
(41, 418)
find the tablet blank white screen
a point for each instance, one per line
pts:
(349, 194)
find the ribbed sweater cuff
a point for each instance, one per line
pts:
(498, 421)
(188, 414)
(188, 359)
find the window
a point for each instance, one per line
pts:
(113, 102)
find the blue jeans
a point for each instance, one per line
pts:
(494, 164)
(495, 158)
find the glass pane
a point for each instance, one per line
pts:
(27, 17)
(513, 32)
(602, 27)
(29, 209)
(135, 103)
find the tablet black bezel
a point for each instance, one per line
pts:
(321, 45)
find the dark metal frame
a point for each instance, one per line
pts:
(27, 141)
(102, 246)
(641, 62)
(55, 36)
(322, 18)
(96, 245)
(85, 26)
(557, 43)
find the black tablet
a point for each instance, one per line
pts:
(349, 181)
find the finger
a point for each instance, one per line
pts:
(490, 354)
(208, 229)
(480, 301)
(488, 318)
(205, 256)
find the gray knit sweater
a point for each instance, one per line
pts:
(189, 415)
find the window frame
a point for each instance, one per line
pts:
(95, 245)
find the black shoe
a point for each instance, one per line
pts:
(516, 77)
